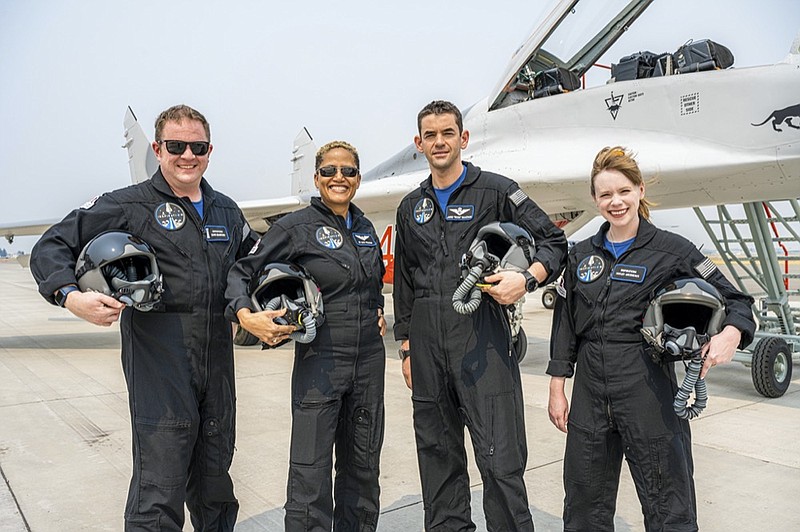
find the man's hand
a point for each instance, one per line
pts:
(381, 322)
(406, 365)
(94, 307)
(557, 404)
(509, 289)
(720, 349)
(510, 285)
(261, 325)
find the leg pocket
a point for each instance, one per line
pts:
(578, 455)
(507, 442)
(214, 448)
(164, 451)
(313, 431)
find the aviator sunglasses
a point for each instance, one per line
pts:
(330, 171)
(177, 147)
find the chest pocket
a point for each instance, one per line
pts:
(466, 236)
(369, 253)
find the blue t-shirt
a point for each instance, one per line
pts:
(443, 194)
(198, 205)
(618, 248)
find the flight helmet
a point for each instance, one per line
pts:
(289, 286)
(682, 316)
(122, 266)
(500, 246)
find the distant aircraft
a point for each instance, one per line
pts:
(703, 130)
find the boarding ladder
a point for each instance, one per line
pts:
(759, 243)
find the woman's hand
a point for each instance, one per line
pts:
(261, 324)
(557, 404)
(720, 349)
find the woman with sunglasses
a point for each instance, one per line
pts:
(622, 400)
(338, 378)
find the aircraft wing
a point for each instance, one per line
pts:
(261, 213)
(9, 231)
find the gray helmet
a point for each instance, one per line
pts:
(289, 286)
(122, 266)
(501, 246)
(682, 316)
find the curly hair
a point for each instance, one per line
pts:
(332, 146)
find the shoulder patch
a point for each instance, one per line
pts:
(423, 211)
(705, 268)
(518, 197)
(170, 216)
(590, 268)
(329, 237)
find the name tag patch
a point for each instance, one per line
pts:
(364, 240)
(216, 233)
(460, 213)
(628, 273)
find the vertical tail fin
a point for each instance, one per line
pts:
(141, 159)
(303, 154)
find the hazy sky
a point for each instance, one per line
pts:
(260, 71)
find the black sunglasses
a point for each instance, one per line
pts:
(330, 171)
(177, 147)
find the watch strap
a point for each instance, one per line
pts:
(531, 283)
(61, 294)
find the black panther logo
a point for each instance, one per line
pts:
(783, 115)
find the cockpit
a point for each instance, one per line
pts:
(557, 56)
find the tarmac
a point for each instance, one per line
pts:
(65, 452)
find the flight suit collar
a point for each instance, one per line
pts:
(355, 212)
(644, 234)
(162, 186)
(473, 172)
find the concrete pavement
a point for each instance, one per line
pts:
(65, 436)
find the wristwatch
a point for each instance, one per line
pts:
(61, 294)
(404, 353)
(531, 283)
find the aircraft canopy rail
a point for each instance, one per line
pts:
(574, 36)
(761, 250)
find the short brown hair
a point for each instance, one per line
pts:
(332, 146)
(178, 113)
(620, 159)
(440, 107)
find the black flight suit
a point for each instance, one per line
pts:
(178, 357)
(462, 369)
(338, 378)
(621, 399)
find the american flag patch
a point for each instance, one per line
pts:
(705, 268)
(518, 197)
(255, 247)
(560, 289)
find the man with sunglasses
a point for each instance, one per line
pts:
(178, 357)
(461, 368)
